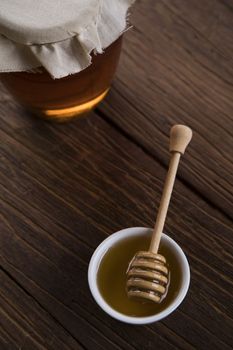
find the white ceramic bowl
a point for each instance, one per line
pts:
(109, 242)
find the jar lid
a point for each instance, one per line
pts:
(58, 35)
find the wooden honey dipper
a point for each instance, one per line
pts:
(148, 274)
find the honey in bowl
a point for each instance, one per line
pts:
(111, 277)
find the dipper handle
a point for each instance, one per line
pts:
(180, 137)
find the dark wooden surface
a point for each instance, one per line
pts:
(64, 188)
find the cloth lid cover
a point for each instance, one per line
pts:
(56, 34)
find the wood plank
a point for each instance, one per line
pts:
(64, 189)
(31, 327)
(176, 67)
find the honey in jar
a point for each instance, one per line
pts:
(58, 58)
(62, 99)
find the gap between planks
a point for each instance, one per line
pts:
(133, 140)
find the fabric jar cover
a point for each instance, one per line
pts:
(56, 34)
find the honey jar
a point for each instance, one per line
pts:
(58, 58)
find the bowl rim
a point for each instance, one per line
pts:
(95, 262)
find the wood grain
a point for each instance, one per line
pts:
(29, 324)
(60, 198)
(65, 188)
(187, 78)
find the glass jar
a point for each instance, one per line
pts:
(65, 98)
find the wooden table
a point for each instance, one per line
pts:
(65, 188)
